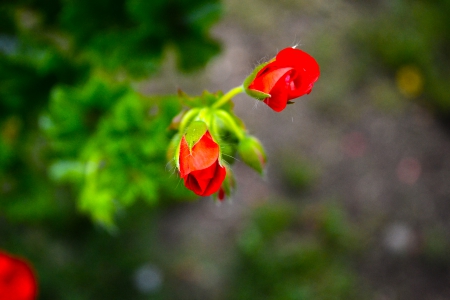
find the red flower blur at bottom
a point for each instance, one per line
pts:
(200, 167)
(290, 75)
(17, 281)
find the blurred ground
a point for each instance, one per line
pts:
(360, 143)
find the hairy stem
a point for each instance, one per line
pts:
(228, 96)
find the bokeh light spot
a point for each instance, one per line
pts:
(409, 81)
(409, 170)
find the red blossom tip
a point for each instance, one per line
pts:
(290, 75)
(17, 279)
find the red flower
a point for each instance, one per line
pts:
(290, 75)
(17, 281)
(200, 167)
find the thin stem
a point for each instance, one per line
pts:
(231, 123)
(228, 96)
(187, 118)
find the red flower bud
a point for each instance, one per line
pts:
(199, 165)
(17, 281)
(290, 75)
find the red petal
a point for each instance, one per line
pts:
(267, 78)
(204, 153)
(17, 281)
(198, 181)
(298, 59)
(216, 181)
(279, 95)
(191, 183)
(306, 70)
(206, 182)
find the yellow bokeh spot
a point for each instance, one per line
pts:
(409, 81)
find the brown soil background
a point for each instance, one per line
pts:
(379, 154)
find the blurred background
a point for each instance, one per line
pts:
(355, 200)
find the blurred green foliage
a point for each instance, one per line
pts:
(68, 112)
(298, 174)
(291, 252)
(409, 39)
(75, 135)
(76, 261)
(126, 155)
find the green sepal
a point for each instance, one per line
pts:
(229, 129)
(257, 94)
(229, 183)
(194, 132)
(173, 151)
(254, 93)
(231, 123)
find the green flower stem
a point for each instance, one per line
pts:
(228, 96)
(231, 123)
(187, 118)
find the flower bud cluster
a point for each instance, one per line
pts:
(208, 139)
(209, 135)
